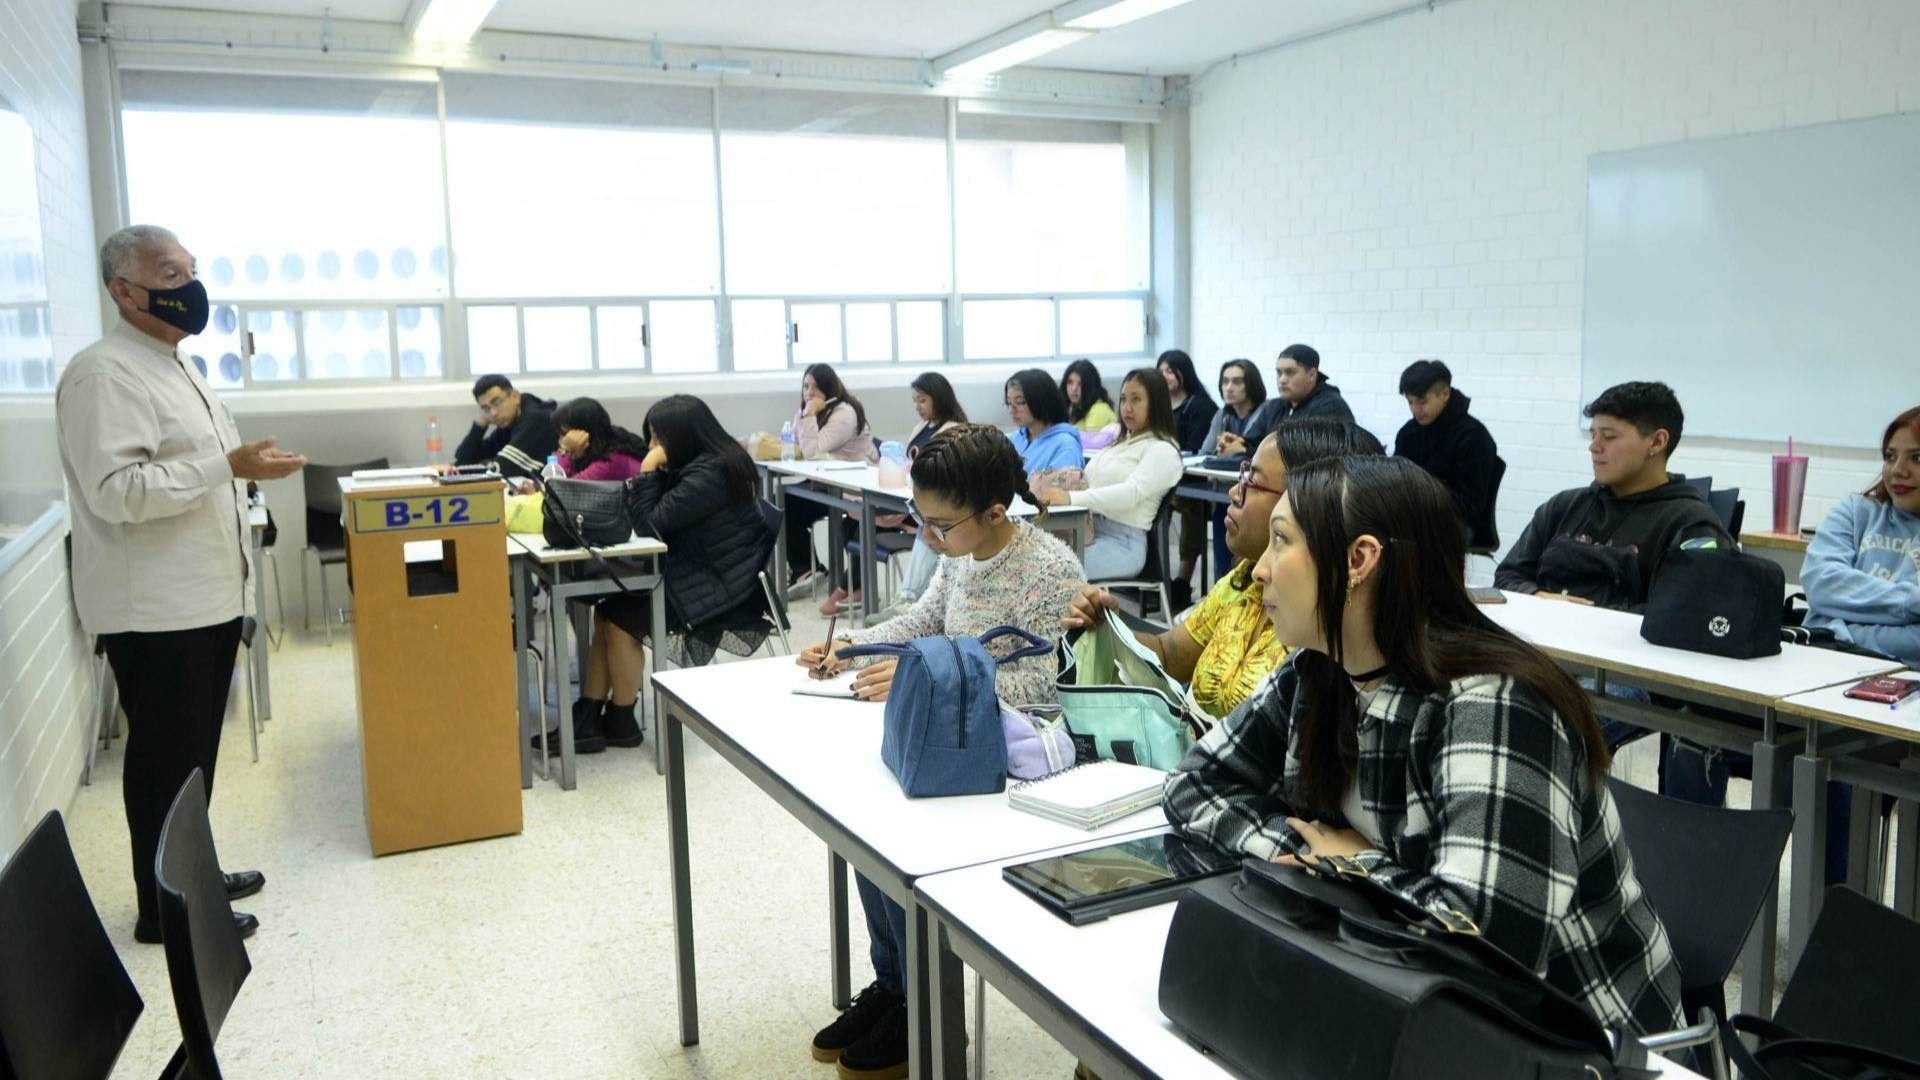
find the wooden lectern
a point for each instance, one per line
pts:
(433, 662)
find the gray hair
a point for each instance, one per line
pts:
(123, 248)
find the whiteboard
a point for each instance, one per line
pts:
(1772, 280)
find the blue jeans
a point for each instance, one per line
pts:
(1117, 551)
(887, 930)
(919, 570)
(1223, 560)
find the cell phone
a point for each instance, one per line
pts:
(1486, 596)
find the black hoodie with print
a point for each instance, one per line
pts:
(1592, 544)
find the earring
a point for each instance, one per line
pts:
(1350, 585)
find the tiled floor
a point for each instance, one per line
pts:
(547, 954)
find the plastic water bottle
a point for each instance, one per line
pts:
(788, 446)
(433, 440)
(553, 471)
(893, 465)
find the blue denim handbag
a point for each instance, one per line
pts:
(943, 733)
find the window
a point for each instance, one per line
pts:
(570, 188)
(316, 189)
(1050, 205)
(1008, 329)
(26, 323)
(834, 193)
(1096, 327)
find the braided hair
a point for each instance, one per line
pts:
(975, 466)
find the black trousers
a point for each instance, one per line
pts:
(173, 687)
(800, 516)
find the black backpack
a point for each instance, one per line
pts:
(1721, 602)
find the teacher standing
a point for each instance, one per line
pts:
(158, 474)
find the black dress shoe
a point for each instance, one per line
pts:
(149, 933)
(245, 883)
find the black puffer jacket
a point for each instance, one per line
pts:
(715, 548)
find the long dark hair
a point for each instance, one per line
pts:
(1159, 405)
(946, 407)
(604, 437)
(1909, 420)
(1250, 374)
(975, 466)
(1044, 399)
(1182, 366)
(1429, 630)
(1310, 439)
(1091, 389)
(835, 392)
(688, 430)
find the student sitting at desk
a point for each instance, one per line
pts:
(1042, 434)
(515, 429)
(1225, 647)
(939, 410)
(831, 424)
(1446, 440)
(1447, 759)
(996, 570)
(1088, 405)
(1126, 481)
(1243, 397)
(1602, 543)
(1862, 572)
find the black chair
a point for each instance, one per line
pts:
(206, 960)
(66, 1003)
(1726, 506)
(326, 537)
(1854, 982)
(1493, 517)
(770, 550)
(1706, 871)
(1159, 561)
(886, 544)
(1702, 484)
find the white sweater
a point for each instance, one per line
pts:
(1127, 480)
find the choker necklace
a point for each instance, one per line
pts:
(1368, 676)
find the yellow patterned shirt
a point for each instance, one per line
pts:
(1237, 649)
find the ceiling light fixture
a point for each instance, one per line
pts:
(446, 22)
(1009, 48)
(1107, 14)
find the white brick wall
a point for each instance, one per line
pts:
(45, 660)
(1418, 188)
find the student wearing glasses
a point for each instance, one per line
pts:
(1225, 647)
(996, 570)
(515, 429)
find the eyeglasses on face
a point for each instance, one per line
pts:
(1246, 484)
(939, 530)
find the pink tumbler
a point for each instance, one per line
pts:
(1789, 490)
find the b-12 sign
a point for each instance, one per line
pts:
(404, 512)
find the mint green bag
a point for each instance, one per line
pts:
(1113, 690)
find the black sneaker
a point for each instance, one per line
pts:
(882, 1054)
(587, 738)
(620, 726)
(859, 1018)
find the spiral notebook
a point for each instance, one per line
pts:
(1090, 795)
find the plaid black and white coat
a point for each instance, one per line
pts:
(1485, 806)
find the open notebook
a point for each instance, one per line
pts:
(1091, 795)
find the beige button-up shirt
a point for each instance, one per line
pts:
(160, 536)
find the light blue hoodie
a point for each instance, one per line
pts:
(1862, 577)
(1058, 447)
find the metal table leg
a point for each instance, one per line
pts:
(836, 548)
(672, 735)
(1906, 852)
(657, 606)
(1810, 774)
(837, 930)
(557, 663)
(259, 656)
(869, 564)
(941, 1041)
(1771, 765)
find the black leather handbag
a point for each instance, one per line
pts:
(1301, 975)
(585, 513)
(1780, 1054)
(1721, 602)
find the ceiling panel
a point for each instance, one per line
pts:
(1185, 40)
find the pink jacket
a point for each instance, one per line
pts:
(615, 466)
(835, 438)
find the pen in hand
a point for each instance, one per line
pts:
(826, 654)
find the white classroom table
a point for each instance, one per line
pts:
(854, 488)
(257, 531)
(568, 574)
(1609, 642)
(1867, 726)
(819, 758)
(1094, 988)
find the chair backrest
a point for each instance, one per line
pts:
(1723, 502)
(1739, 518)
(1493, 504)
(1705, 869)
(66, 1003)
(1159, 564)
(206, 960)
(769, 544)
(322, 484)
(1855, 978)
(1704, 484)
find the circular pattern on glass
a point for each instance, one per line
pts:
(225, 320)
(257, 269)
(337, 365)
(373, 363)
(366, 264)
(230, 367)
(265, 366)
(412, 363)
(327, 265)
(371, 319)
(292, 267)
(405, 262)
(221, 271)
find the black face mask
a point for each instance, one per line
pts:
(183, 308)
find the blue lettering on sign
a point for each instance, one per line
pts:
(459, 516)
(397, 514)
